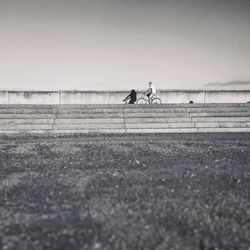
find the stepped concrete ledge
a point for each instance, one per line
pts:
(121, 118)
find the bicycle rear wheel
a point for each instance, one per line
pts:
(156, 101)
(141, 101)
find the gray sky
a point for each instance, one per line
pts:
(123, 44)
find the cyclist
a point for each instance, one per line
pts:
(151, 91)
(131, 97)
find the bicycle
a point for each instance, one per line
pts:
(126, 101)
(144, 100)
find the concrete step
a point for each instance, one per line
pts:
(186, 105)
(124, 118)
(187, 110)
(155, 115)
(25, 121)
(89, 116)
(90, 111)
(26, 127)
(27, 116)
(92, 106)
(120, 120)
(220, 119)
(224, 130)
(167, 109)
(223, 125)
(27, 106)
(183, 115)
(177, 107)
(189, 130)
(148, 106)
(161, 130)
(89, 126)
(218, 109)
(154, 110)
(122, 105)
(120, 115)
(89, 131)
(159, 125)
(220, 114)
(35, 113)
(28, 111)
(158, 120)
(131, 131)
(88, 121)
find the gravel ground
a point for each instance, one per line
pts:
(171, 191)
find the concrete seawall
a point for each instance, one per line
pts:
(116, 96)
(120, 118)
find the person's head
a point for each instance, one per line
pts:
(150, 83)
(132, 91)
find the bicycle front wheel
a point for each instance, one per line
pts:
(156, 101)
(141, 101)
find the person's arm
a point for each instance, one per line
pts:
(153, 90)
(127, 97)
(149, 91)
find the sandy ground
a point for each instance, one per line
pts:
(173, 191)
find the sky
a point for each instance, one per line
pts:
(123, 44)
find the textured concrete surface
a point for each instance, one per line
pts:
(174, 191)
(125, 118)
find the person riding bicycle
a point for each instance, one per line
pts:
(151, 91)
(131, 97)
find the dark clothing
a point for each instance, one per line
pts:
(132, 96)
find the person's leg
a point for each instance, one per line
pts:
(151, 96)
(148, 95)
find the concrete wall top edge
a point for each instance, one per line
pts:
(31, 91)
(126, 90)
